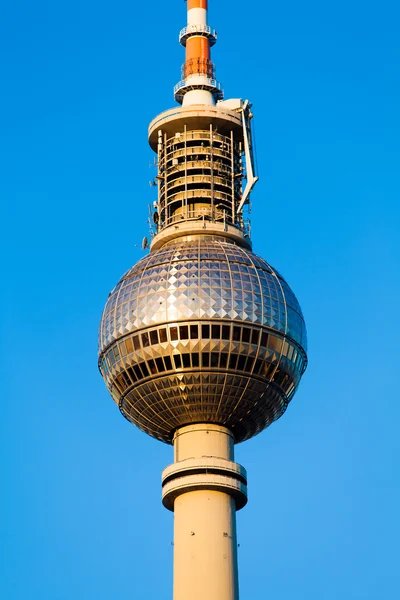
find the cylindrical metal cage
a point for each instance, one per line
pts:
(200, 177)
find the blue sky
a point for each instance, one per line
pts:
(82, 515)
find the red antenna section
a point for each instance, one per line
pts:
(198, 84)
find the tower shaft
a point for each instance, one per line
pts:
(204, 488)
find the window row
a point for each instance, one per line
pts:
(204, 331)
(204, 360)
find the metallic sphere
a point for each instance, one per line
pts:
(202, 330)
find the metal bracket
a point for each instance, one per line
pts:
(248, 153)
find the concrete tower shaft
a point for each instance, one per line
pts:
(204, 487)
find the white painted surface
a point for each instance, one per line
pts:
(197, 16)
(198, 97)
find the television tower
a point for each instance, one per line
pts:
(202, 343)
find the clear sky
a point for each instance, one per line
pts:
(81, 508)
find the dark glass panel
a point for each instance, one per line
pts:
(264, 339)
(258, 366)
(129, 345)
(154, 336)
(241, 362)
(194, 332)
(246, 334)
(177, 361)
(205, 357)
(216, 332)
(226, 332)
(195, 359)
(145, 340)
(132, 374)
(168, 363)
(255, 334)
(126, 379)
(160, 365)
(236, 333)
(136, 343)
(184, 332)
(163, 335)
(223, 360)
(214, 359)
(232, 361)
(138, 372)
(144, 368)
(205, 332)
(152, 367)
(186, 360)
(249, 364)
(173, 331)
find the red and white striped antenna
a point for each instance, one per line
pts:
(198, 84)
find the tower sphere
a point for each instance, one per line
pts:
(202, 330)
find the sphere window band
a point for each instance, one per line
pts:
(269, 357)
(234, 333)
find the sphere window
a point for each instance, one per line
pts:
(163, 335)
(152, 367)
(216, 332)
(194, 332)
(226, 332)
(214, 359)
(154, 336)
(137, 371)
(241, 362)
(205, 332)
(173, 332)
(223, 360)
(232, 361)
(205, 357)
(249, 364)
(246, 335)
(132, 374)
(186, 360)
(236, 333)
(184, 332)
(145, 370)
(160, 365)
(145, 340)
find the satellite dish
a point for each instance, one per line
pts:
(145, 243)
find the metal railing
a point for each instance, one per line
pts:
(204, 30)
